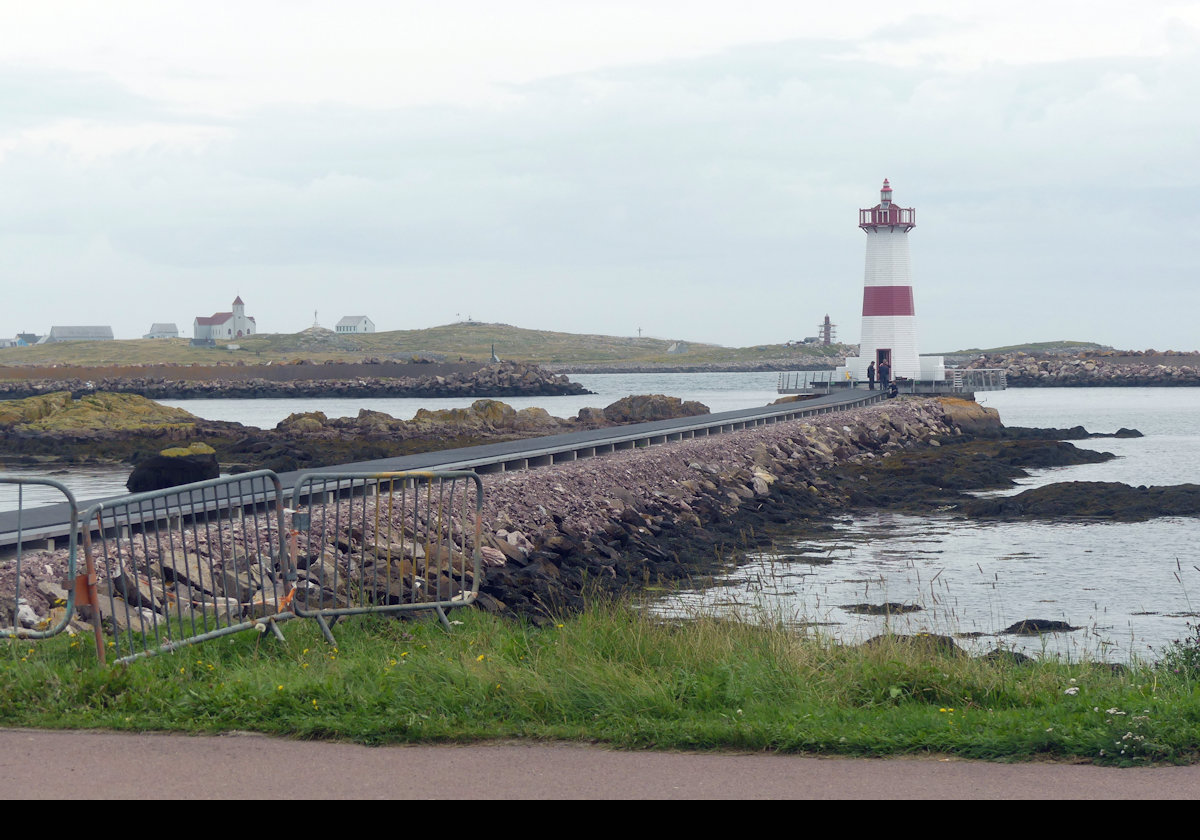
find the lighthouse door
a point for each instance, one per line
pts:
(883, 354)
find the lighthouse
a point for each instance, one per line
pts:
(889, 328)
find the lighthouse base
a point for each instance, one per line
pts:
(957, 381)
(929, 369)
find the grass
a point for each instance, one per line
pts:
(614, 675)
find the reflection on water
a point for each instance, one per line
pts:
(1129, 586)
(977, 578)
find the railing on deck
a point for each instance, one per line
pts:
(806, 381)
(957, 381)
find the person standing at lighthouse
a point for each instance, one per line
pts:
(889, 333)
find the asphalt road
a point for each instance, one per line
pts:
(105, 765)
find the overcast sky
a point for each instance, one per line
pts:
(692, 169)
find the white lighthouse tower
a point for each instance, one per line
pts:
(889, 329)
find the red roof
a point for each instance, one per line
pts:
(216, 318)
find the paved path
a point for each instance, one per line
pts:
(105, 765)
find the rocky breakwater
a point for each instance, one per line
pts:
(1095, 369)
(674, 512)
(505, 379)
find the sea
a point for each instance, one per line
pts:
(1129, 588)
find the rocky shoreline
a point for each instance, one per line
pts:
(683, 511)
(505, 379)
(125, 428)
(1092, 369)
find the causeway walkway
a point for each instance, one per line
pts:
(52, 521)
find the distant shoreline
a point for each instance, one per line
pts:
(181, 382)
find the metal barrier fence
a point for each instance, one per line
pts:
(978, 379)
(16, 611)
(191, 563)
(385, 542)
(804, 381)
(957, 381)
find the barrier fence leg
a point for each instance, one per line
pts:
(87, 599)
(442, 618)
(325, 631)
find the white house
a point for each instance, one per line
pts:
(356, 324)
(221, 325)
(162, 331)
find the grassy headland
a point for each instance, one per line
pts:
(472, 341)
(615, 675)
(1033, 348)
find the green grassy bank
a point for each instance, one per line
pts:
(615, 676)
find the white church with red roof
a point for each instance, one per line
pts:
(223, 325)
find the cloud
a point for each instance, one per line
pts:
(711, 198)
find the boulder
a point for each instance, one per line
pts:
(649, 407)
(173, 467)
(308, 421)
(970, 416)
(1036, 627)
(591, 417)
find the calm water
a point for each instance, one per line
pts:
(719, 391)
(1130, 587)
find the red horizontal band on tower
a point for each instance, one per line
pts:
(888, 300)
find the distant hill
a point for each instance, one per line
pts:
(1033, 348)
(470, 341)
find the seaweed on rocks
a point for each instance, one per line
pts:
(924, 479)
(1107, 500)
